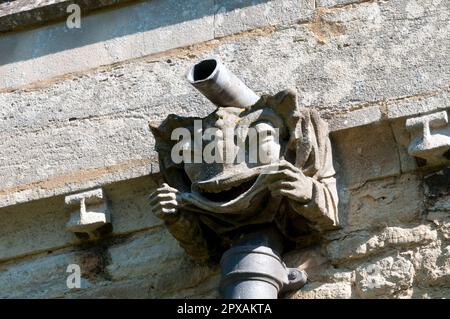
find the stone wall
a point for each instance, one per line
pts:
(75, 107)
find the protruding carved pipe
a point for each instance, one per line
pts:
(219, 85)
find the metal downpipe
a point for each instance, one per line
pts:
(220, 85)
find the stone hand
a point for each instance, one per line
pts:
(164, 202)
(289, 181)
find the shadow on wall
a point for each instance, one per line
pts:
(132, 19)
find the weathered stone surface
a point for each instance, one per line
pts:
(317, 266)
(368, 115)
(442, 204)
(233, 16)
(157, 271)
(130, 32)
(75, 154)
(44, 276)
(385, 277)
(362, 157)
(387, 202)
(431, 293)
(333, 3)
(34, 227)
(148, 255)
(157, 257)
(419, 105)
(130, 206)
(364, 244)
(206, 290)
(21, 14)
(318, 290)
(407, 162)
(51, 151)
(432, 265)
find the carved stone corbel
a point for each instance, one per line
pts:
(91, 218)
(430, 137)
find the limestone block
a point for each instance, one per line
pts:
(20, 14)
(144, 288)
(44, 276)
(146, 27)
(432, 264)
(123, 289)
(309, 260)
(34, 227)
(319, 290)
(58, 160)
(233, 16)
(362, 157)
(364, 244)
(150, 254)
(437, 190)
(402, 137)
(418, 105)
(442, 204)
(361, 117)
(431, 292)
(388, 202)
(129, 205)
(91, 214)
(158, 258)
(208, 289)
(385, 277)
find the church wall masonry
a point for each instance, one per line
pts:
(375, 70)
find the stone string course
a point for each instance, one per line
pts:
(367, 66)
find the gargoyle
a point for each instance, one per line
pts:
(207, 205)
(246, 182)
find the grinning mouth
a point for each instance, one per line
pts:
(228, 194)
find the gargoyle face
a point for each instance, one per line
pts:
(243, 143)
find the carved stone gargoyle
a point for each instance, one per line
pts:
(247, 212)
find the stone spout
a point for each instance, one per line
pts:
(219, 85)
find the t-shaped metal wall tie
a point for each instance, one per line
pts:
(430, 136)
(91, 215)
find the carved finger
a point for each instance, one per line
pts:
(281, 184)
(287, 165)
(169, 204)
(280, 192)
(166, 196)
(162, 196)
(281, 175)
(169, 210)
(166, 188)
